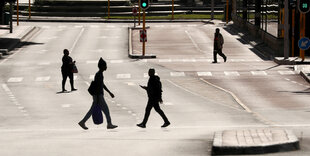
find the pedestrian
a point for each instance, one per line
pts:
(154, 93)
(218, 45)
(66, 70)
(98, 98)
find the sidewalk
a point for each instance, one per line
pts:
(254, 141)
(8, 41)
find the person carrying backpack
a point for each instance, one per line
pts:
(154, 93)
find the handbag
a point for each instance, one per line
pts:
(97, 115)
(74, 68)
(92, 89)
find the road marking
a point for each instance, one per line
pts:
(168, 103)
(77, 39)
(159, 26)
(116, 61)
(189, 60)
(118, 105)
(66, 105)
(15, 79)
(124, 108)
(129, 112)
(75, 78)
(131, 84)
(177, 74)
(204, 73)
(192, 25)
(46, 27)
(286, 72)
(62, 26)
(108, 37)
(44, 78)
(293, 81)
(91, 62)
(123, 76)
(91, 77)
(94, 26)
(133, 114)
(231, 73)
(194, 43)
(44, 63)
(78, 26)
(13, 99)
(164, 60)
(110, 26)
(258, 73)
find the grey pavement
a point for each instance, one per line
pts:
(200, 98)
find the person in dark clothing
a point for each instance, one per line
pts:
(98, 98)
(218, 46)
(154, 93)
(66, 70)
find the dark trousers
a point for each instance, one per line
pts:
(215, 52)
(99, 100)
(150, 105)
(64, 79)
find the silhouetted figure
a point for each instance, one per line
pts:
(218, 45)
(66, 70)
(154, 93)
(98, 98)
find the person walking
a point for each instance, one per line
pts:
(218, 46)
(154, 93)
(66, 70)
(98, 98)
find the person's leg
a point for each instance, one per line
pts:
(160, 112)
(148, 109)
(89, 113)
(71, 81)
(222, 54)
(214, 56)
(64, 79)
(106, 111)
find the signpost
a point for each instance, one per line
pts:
(134, 13)
(304, 7)
(144, 4)
(143, 36)
(304, 43)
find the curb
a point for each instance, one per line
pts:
(23, 36)
(305, 76)
(281, 146)
(135, 56)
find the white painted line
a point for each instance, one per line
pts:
(124, 108)
(94, 26)
(293, 81)
(44, 78)
(168, 103)
(23, 111)
(204, 60)
(192, 25)
(164, 60)
(15, 79)
(66, 105)
(189, 60)
(78, 26)
(91, 77)
(133, 114)
(75, 78)
(177, 74)
(194, 43)
(77, 39)
(116, 61)
(46, 27)
(44, 63)
(110, 26)
(123, 76)
(91, 61)
(204, 73)
(6, 88)
(263, 73)
(287, 79)
(62, 26)
(231, 73)
(118, 105)
(131, 84)
(145, 75)
(129, 112)
(159, 26)
(287, 72)
(20, 107)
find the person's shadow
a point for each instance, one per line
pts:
(63, 92)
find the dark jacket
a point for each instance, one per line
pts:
(99, 82)
(218, 41)
(154, 90)
(67, 64)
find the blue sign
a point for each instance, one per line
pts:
(304, 43)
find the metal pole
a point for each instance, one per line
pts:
(108, 9)
(212, 9)
(293, 32)
(143, 47)
(17, 12)
(139, 19)
(172, 17)
(29, 8)
(11, 15)
(302, 33)
(134, 21)
(227, 4)
(286, 30)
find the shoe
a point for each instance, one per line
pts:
(82, 124)
(63, 90)
(225, 58)
(141, 125)
(166, 124)
(73, 89)
(111, 126)
(214, 62)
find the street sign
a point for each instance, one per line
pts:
(304, 6)
(144, 4)
(134, 11)
(304, 43)
(143, 35)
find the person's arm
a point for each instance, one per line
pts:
(144, 87)
(106, 88)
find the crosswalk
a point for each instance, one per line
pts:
(108, 26)
(172, 74)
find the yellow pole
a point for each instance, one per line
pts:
(17, 12)
(29, 8)
(227, 3)
(302, 33)
(108, 9)
(139, 13)
(143, 47)
(172, 17)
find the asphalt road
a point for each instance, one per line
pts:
(199, 97)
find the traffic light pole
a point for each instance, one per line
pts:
(143, 46)
(302, 33)
(286, 30)
(17, 12)
(139, 12)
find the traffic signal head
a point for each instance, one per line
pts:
(144, 4)
(304, 6)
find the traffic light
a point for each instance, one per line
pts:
(144, 4)
(304, 6)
